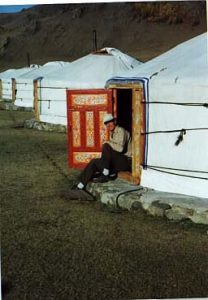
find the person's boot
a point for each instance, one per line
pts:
(101, 179)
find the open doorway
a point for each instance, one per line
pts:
(124, 109)
(128, 108)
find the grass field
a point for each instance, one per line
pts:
(54, 248)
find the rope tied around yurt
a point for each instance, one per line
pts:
(52, 88)
(182, 131)
(175, 169)
(175, 130)
(176, 103)
(164, 170)
(180, 137)
(156, 73)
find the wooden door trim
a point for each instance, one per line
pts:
(138, 126)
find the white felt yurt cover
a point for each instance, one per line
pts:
(24, 82)
(6, 80)
(176, 95)
(88, 72)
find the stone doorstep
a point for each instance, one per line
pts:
(175, 207)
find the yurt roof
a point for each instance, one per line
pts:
(42, 71)
(12, 73)
(92, 70)
(179, 74)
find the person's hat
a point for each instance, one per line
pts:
(108, 118)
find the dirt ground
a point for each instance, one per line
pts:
(53, 248)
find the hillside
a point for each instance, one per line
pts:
(65, 31)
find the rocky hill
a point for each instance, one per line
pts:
(67, 31)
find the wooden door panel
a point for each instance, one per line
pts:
(86, 131)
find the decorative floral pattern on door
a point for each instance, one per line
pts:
(86, 131)
(76, 134)
(103, 132)
(89, 100)
(90, 129)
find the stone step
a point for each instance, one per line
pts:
(120, 194)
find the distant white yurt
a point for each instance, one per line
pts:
(88, 72)
(7, 88)
(174, 101)
(25, 86)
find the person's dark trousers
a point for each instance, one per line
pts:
(110, 159)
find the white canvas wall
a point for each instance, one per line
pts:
(6, 79)
(179, 76)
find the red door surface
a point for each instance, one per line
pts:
(86, 131)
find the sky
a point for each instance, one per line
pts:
(16, 8)
(12, 8)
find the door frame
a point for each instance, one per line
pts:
(1, 89)
(138, 127)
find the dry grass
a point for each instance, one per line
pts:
(56, 249)
(172, 12)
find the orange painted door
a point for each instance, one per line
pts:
(86, 131)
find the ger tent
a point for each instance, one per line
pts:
(25, 86)
(7, 81)
(176, 112)
(88, 72)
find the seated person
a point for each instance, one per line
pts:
(115, 157)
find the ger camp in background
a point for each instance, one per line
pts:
(24, 84)
(89, 72)
(169, 118)
(7, 82)
(18, 84)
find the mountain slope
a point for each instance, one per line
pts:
(65, 31)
